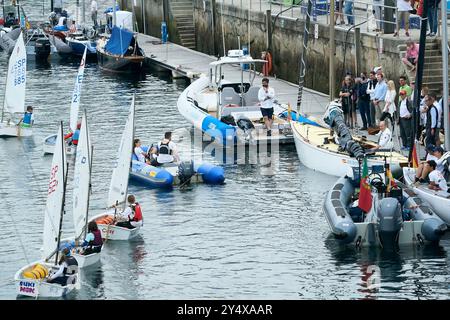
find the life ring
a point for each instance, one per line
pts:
(267, 67)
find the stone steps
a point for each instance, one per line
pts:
(183, 13)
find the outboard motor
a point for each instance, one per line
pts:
(185, 172)
(42, 48)
(334, 118)
(245, 124)
(390, 222)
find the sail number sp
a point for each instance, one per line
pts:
(53, 180)
(19, 71)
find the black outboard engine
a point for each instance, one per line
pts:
(390, 222)
(185, 172)
(42, 48)
(245, 124)
(334, 118)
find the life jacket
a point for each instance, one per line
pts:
(70, 261)
(75, 136)
(164, 148)
(137, 212)
(27, 118)
(97, 239)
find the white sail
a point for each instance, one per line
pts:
(55, 197)
(119, 179)
(81, 179)
(75, 105)
(16, 79)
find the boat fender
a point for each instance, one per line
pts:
(38, 272)
(211, 174)
(433, 229)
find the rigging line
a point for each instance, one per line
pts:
(223, 32)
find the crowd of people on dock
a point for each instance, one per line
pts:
(404, 8)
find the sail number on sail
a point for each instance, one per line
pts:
(76, 92)
(19, 71)
(53, 180)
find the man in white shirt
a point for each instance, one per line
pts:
(167, 150)
(405, 120)
(437, 180)
(94, 10)
(266, 96)
(384, 137)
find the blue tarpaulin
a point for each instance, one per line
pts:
(119, 42)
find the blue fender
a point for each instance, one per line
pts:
(211, 174)
(219, 130)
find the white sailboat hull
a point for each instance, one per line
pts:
(83, 260)
(439, 200)
(11, 131)
(39, 287)
(111, 232)
(329, 162)
(49, 146)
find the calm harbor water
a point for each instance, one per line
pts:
(258, 236)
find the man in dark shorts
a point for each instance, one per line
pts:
(266, 96)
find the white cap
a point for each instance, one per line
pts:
(376, 69)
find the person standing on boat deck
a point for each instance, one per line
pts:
(437, 180)
(93, 242)
(346, 100)
(94, 11)
(68, 266)
(167, 150)
(384, 137)
(266, 96)
(131, 217)
(28, 119)
(432, 130)
(379, 95)
(405, 121)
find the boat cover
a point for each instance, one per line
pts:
(119, 42)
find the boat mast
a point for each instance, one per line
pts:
(332, 52)
(444, 48)
(64, 192)
(90, 157)
(303, 57)
(419, 76)
(132, 139)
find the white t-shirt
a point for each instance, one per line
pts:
(437, 177)
(431, 157)
(404, 109)
(139, 153)
(262, 95)
(403, 5)
(385, 141)
(167, 158)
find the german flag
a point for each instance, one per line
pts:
(413, 159)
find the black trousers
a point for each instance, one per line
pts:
(125, 224)
(405, 131)
(90, 250)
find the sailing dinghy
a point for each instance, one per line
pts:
(49, 142)
(31, 280)
(119, 187)
(81, 193)
(14, 101)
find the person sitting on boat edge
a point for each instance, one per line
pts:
(68, 266)
(27, 120)
(384, 137)
(437, 180)
(72, 137)
(93, 242)
(435, 155)
(167, 150)
(266, 96)
(139, 153)
(131, 217)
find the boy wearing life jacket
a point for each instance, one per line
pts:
(72, 137)
(27, 120)
(132, 215)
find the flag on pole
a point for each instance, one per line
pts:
(390, 180)
(414, 159)
(365, 196)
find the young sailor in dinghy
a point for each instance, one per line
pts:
(140, 154)
(72, 137)
(131, 217)
(68, 267)
(93, 242)
(27, 120)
